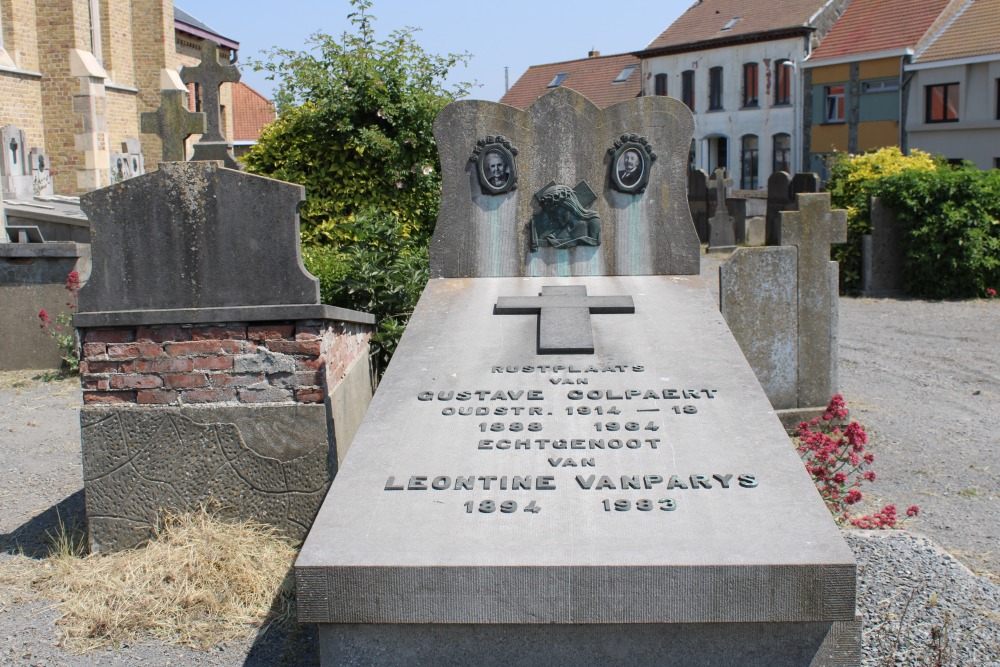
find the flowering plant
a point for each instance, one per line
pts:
(61, 329)
(835, 457)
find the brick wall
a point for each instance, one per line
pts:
(153, 49)
(19, 33)
(21, 105)
(123, 112)
(116, 43)
(280, 362)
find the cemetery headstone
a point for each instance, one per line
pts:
(779, 198)
(41, 174)
(722, 233)
(805, 183)
(17, 181)
(203, 383)
(173, 124)
(698, 202)
(209, 76)
(882, 254)
(568, 459)
(781, 304)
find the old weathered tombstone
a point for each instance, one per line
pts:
(204, 382)
(805, 183)
(755, 231)
(722, 233)
(698, 202)
(209, 76)
(173, 124)
(568, 460)
(782, 305)
(882, 254)
(41, 175)
(779, 198)
(16, 180)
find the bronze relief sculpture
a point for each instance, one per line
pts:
(564, 221)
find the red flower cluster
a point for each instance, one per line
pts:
(991, 292)
(44, 317)
(836, 459)
(73, 287)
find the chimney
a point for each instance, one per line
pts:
(593, 54)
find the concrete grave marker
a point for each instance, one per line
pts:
(209, 75)
(173, 124)
(721, 226)
(585, 492)
(16, 180)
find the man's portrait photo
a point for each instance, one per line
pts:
(629, 167)
(496, 169)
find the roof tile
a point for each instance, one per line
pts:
(871, 26)
(591, 77)
(251, 112)
(974, 32)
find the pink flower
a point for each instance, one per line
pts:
(870, 475)
(44, 317)
(991, 292)
(853, 496)
(913, 510)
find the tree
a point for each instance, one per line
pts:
(355, 120)
(354, 126)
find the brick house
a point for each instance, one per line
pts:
(604, 80)
(75, 75)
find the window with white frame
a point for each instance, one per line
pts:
(94, 14)
(833, 107)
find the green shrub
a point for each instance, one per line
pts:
(383, 273)
(952, 222)
(851, 184)
(355, 119)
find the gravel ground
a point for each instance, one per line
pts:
(922, 376)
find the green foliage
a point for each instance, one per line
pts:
(851, 184)
(355, 128)
(952, 222)
(382, 272)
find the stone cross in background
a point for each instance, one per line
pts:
(173, 124)
(209, 76)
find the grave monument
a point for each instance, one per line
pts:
(569, 460)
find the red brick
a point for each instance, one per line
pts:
(208, 395)
(150, 350)
(196, 347)
(219, 333)
(165, 365)
(162, 334)
(307, 332)
(309, 363)
(94, 382)
(109, 397)
(135, 381)
(223, 363)
(308, 379)
(304, 347)
(109, 336)
(100, 366)
(309, 396)
(185, 380)
(225, 380)
(156, 397)
(95, 349)
(123, 351)
(261, 332)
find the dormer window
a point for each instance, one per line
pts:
(625, 74)
(560, 77)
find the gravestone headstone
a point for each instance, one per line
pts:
(17, 180)
(568, 459)
(41, 174)
(805, 183)
(882, 254)
(779, 198)
(203, 383)
(173, 124)
(209, 76)
(722, 233)
(698, 202)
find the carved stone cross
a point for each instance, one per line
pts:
(173, 123)
(811, 230)
(564, 316)
(209, 76)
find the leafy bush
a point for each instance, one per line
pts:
(383, 273)
(952, 222)
(355, 128)
(851, 185)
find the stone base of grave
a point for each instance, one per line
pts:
(792, 417)
(721, 248)
(830, 644)
(260, 413)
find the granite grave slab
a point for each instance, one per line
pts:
(569, 460)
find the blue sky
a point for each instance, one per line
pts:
(505, 33)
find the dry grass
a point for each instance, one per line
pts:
(200, 582)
